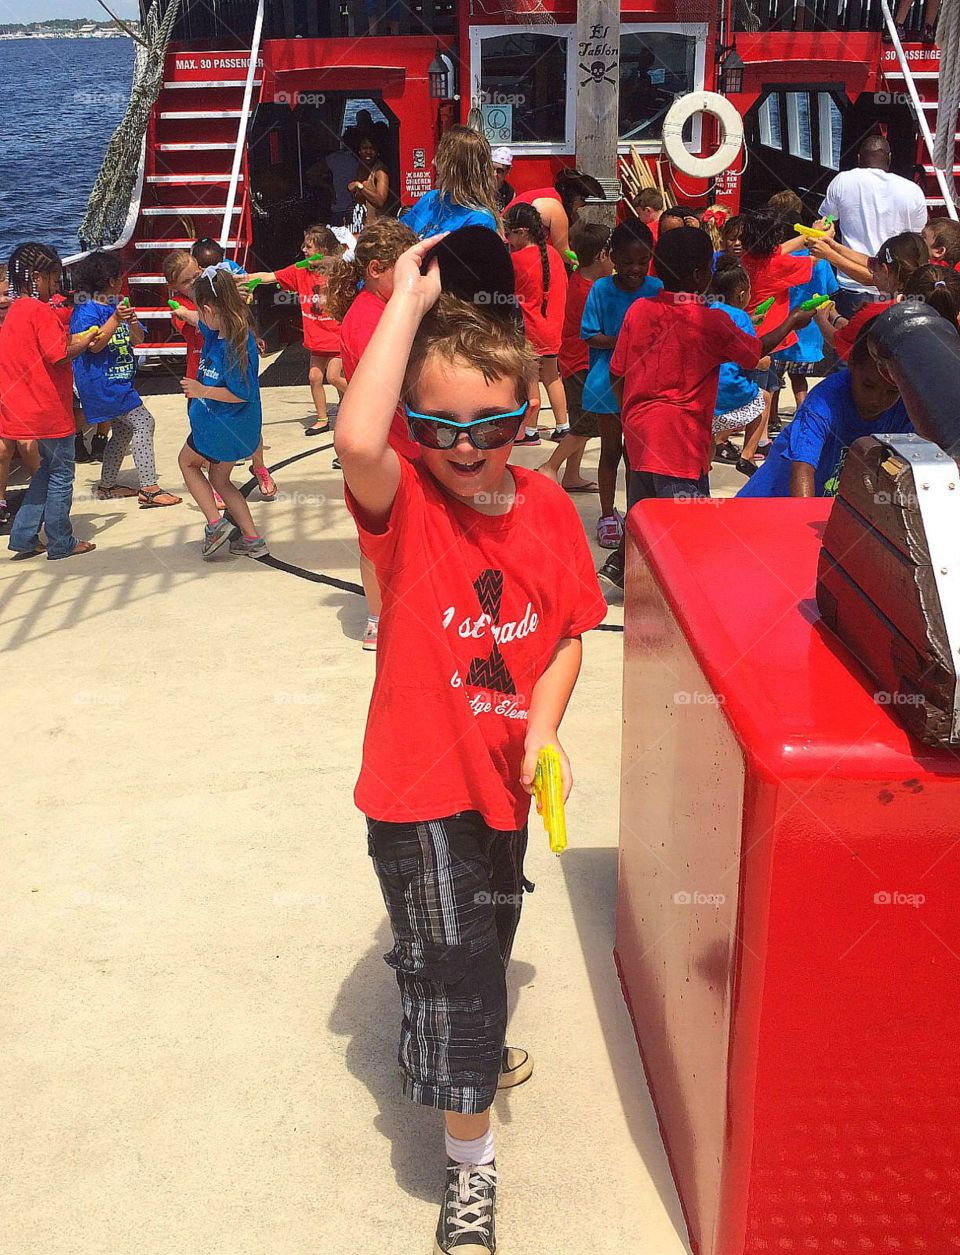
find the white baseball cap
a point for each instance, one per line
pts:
(502, 157)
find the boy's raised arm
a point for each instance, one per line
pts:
(370, 466)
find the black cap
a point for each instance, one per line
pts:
(475, 266)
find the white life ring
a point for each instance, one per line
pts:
(731, 138)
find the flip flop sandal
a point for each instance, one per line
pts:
(317, 431)
(116, 493)
(148, 500)
(589, 487)
(82, 546)
(263, 477)
(22, 556)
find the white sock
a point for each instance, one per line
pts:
(373, 618)
(478, 1150)
(530, 431)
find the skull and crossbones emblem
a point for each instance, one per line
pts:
(596, 72)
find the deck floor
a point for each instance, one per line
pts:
(197, 1030)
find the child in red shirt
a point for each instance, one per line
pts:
(357, 295)
(36, 401)
(321, 333)
(488, 587)
(589, 241)
(541, 289)
(772, 273)
(665, 371)
(27, 449)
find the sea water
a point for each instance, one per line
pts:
(60, 101)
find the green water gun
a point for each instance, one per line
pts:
(302, 265)
(174, 305)
(764, 306)
(815, 302)
(125, 302)
(572, 258)
(252, 283)
(830, 219)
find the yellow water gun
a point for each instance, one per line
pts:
(548, 791)
(810, 233)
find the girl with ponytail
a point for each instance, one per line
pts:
(541, 286)
(225, 414)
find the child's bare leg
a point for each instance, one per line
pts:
(335, 375)
(569, 450)
(467, 1128)
(268, 485)
(6, 461)
(611, 452)
(800, 388)
(756, 430)
(319, 365)
(550, 378)
(233, 498)
(371, 586)
(197, 486)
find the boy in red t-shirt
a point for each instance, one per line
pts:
(589, 241)
(36, 402)
(488, 587)
(665, 371)
(321, 333)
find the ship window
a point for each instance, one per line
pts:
(799, 130)
(831, 131)
(520, 85)
(771, 132)
(656, 66)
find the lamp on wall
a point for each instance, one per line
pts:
(731, 73)
(439, 78)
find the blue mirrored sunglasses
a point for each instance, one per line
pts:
(491, 432)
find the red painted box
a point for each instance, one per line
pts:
(788, 923)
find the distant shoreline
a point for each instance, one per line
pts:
(29, 37)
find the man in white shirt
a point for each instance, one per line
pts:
(869, 205)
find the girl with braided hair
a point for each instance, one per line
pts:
(541, 286)
(36, 401)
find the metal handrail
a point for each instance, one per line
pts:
(918, 108)
(242, 126)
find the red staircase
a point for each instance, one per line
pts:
(190, 148)
(924, 65)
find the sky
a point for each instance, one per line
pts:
(38, 10)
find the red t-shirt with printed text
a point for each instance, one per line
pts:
(669, 352)
(359, 324)
(574, 354)
(775, 276)
(474, 606)
(544, 329)
(36, 383)
(321, 333)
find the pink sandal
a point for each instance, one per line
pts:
(264, 481)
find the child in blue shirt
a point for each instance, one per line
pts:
(466, 191)
(225, 414)
(807, 457)
(103, 376)
(630, 248)
(801, 359)
(739, 403)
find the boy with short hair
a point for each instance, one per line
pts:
(488, 586)
(648, 203)
(665, 372)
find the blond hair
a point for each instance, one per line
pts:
(221, 293)
(382, 241)
(174, 265)
(455, 331)
(465, 170)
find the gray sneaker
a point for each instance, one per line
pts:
(214, 537)
(241, 548)
(466, 1225)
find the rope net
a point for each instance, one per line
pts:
(526, 11)
(948, 37)
(109, 201)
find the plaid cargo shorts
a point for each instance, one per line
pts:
(453, 889)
